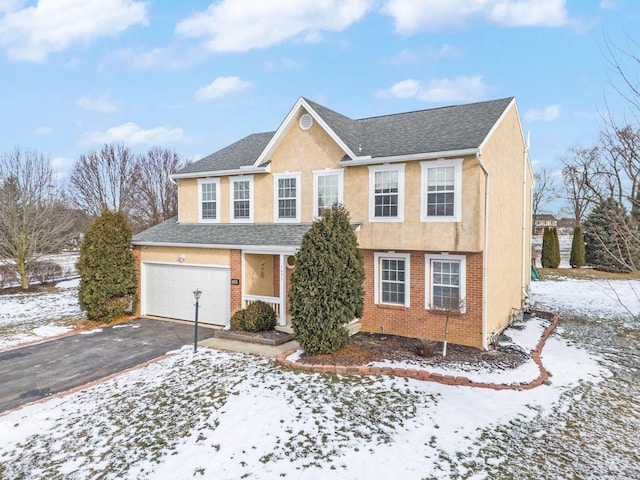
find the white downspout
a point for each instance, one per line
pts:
(485, 263)
(526, 256)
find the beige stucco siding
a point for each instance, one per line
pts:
(507, 254)
(414, 234)
(197, 256)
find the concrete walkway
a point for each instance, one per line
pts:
(246, 347)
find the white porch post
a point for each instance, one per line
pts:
(283, 290)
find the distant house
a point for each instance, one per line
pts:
(439, 199)
(544, 220)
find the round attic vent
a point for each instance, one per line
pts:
(306, 121)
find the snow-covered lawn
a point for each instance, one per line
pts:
(220, 415)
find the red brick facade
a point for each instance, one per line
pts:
(416, 321)
(235, 300)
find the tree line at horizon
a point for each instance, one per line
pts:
(40, 215)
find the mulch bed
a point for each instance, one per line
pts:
(366, 348)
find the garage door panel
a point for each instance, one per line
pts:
(168, 292)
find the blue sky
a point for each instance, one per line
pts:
(194, 76)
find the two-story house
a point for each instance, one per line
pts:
(440, 200)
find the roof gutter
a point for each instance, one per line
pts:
(262, 248)
(485, 263)
(221, 173)
(369, 160)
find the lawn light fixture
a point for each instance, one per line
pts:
(196, 294)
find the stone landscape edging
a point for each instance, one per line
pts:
(425, 375)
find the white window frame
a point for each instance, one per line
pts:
(232, 184)
(425, 166)
(276, 210)
(377, 277)
(202, 181)
(428, 275)
(373, 169)
(327, 173)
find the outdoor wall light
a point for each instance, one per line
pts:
(181, 258)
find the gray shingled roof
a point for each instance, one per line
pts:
(239, 154)
(442, 129)
(171, 232)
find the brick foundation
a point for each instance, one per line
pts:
(416, 321)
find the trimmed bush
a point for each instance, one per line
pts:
(108, 281)
(8, 275)
(577, 258)
(259, 317)
(326, 286)
(43, 272)
(237, 321)
(550, 257)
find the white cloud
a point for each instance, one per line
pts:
(32, 33)
(43, 131)
(241, 25)
(608, 4)
(547, 114)
(460, 89)
(96, 104)
(221, 87)
(283, 64)
(420, 15)
(131, 134)
(418, 55)
(61, 166)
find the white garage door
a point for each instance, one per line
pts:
(167, 291)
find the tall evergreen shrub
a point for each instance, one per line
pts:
(106, 266)
(326, 286)
(606, 248)
(550, 257)
(577, 258)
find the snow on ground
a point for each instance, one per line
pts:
(219, 415)
(26, 318)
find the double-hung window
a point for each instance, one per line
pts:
(386, 193)
(445, 282)
(392, 278)
(441, 191)
(209, 200)
(328, 190)
(287, 197)
(241, 199)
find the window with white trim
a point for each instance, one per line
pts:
(241, 199)
(209, 200)
(441, 191)
(287, 197)
(392, 278)
(328, 190)
(386, 193)
(445, 282)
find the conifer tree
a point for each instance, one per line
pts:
(326, 286)
(555, 252)
(607, 249)
(577, 258)
(106, 266)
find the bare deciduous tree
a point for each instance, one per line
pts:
(581, 187)
(105, 180)
(33, 219)
(156, 195)
(544, 191)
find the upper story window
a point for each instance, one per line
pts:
(328, 190)
(386, 193)
(446, 282)
(209, 200)
(391, 277)
(241, 199)
(287, 197)
(441, 191)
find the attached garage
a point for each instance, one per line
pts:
(167, 291)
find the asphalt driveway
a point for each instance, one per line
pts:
(38, 371)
